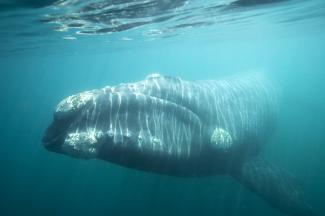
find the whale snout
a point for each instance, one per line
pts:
(83, 122)
(55, 134)
(65, 114)
(74, 103)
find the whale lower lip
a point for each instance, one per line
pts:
(52, 141)
(55, 134)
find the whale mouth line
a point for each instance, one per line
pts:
(160, 100)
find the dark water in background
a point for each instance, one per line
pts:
(47, 53)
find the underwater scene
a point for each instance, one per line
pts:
(162, 107)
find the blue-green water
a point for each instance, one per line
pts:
(43, 61)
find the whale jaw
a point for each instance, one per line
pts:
(121, 119)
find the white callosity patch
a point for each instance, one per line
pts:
(157, 143)
(75, 102)
(154, 75)
(82, 144)
(221, 139)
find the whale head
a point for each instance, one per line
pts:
(65, 135)
(120, 120)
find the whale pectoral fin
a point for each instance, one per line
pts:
(274, 185)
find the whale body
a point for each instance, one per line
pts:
(175, 127)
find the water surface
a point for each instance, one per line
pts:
(49, 50)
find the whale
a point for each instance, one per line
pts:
(170, 126)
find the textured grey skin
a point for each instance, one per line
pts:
(164, 124)
(181, 128)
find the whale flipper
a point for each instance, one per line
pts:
(274, 185)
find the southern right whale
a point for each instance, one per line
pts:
(181, 128)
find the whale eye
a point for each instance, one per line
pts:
(74, 103)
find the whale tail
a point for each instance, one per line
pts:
(274, 185)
